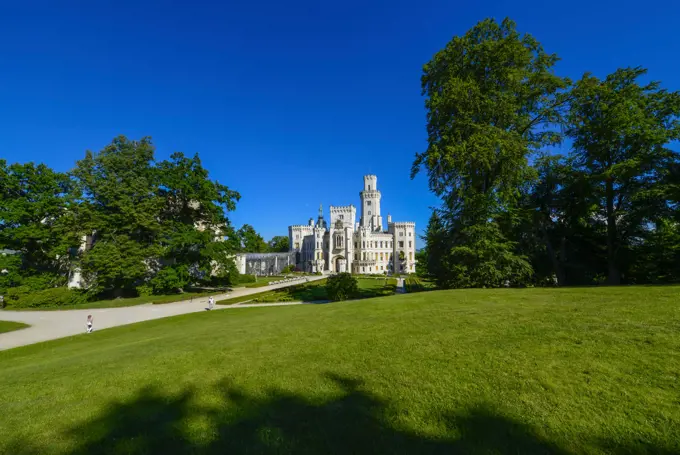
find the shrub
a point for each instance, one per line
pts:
(22, 297)
(342, 286)
(413, 284)
(170, 280)
(288, 269)
(144, 290)
(243, 279)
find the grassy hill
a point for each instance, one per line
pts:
(591, 370)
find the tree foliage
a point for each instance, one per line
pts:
(121, 209)
(620, 131)
(135, 223)
(194, 221)
(511, 211)
(488, 95)
(341, 286)
(279, 244)
(37, 219)
(251, 241)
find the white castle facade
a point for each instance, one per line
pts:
(367, 246)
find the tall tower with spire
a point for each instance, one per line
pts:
(370, 204)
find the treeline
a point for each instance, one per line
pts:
(512, 211)
(129, 224)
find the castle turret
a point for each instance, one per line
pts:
(370, 204)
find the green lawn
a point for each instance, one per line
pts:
(315, 291)
(124, 302)
(9, 326)
(534, 371)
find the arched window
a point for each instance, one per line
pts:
(368, 203)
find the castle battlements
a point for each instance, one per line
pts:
(342, 208)
(403, 224)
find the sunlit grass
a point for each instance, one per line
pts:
(590, 370)
(9, 326)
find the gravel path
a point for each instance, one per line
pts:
(50, 325)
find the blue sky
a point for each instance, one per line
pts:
(289, 103)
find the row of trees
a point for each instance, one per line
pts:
(514, 212)
(151, 226)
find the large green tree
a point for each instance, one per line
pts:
(194, 222)
(489, 95)
(621, 129)
(37, 218)
(122, 210)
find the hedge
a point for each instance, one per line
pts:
(23, 297)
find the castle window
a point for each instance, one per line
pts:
(381, 245)
(409, 244)
(401, 234)
(356, 244)
(364, 243)
(409, 234)
(401, 244)
(342, 217)
(297, 245)
(410, 256)
(356, 257)
(368, 203)
(363, 269)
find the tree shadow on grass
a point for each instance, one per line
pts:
(280, 422)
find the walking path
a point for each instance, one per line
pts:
(50, 325)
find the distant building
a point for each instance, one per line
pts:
(368, 246)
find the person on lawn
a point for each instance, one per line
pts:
(90, 321)
(211, 302)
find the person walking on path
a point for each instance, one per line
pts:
(90, 321)
(211, 302)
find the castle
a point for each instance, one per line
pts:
(363, 247)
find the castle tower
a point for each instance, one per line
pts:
(370, 204)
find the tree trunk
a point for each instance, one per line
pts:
(614, 276)
(563, 260)
(557, 268)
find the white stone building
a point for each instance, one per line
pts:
(367, 246)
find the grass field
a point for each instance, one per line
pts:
(315, 291)
(123, 302)
(563, 371)
(9, 326)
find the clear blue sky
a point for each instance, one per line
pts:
(287, 102)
